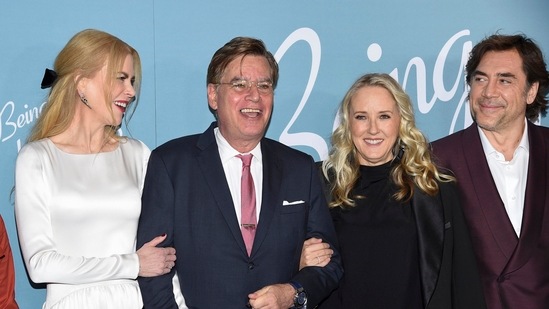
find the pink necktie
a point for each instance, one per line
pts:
(248, 216)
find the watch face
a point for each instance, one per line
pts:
(301, 298)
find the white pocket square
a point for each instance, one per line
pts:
(286, 203)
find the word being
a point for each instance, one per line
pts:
(440, 91)
(10, 122)
(374, 53)
(310, 139)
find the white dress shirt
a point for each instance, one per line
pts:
(510, 176)
(232, 166)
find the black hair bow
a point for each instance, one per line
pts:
(49, 78)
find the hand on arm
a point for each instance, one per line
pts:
(276, 296)
(154, 261)
(315, 253)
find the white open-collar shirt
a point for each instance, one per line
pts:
(510, 176)
(232, 166)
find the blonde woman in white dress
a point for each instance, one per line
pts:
(78, 183)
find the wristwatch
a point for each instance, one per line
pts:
(300, 297)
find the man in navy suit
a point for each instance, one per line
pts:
(192, 193)
(501, 163)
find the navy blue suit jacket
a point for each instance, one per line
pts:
(186, 196)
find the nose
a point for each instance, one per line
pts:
(372, 128)
(490, 89)
(253, 93)
(130, 91)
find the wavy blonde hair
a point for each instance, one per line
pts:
(83, 56)
(415, 169)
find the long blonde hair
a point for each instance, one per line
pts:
(415, 167)
(83, 56)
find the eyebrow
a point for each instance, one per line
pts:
(235, 79)
(379, 112)
(238, 78)
(510, 75)
(504, 74)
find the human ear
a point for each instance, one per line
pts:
(81, 83)
(532, 92)
(212, 96)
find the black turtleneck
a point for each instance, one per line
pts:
(378, 246)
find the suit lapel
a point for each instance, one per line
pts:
(535, 199)
(272, 184)
(428, 213)
(212, 169)
(486, 192)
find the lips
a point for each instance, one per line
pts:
(251, 112)
(122, 105)
(490, 105)
(373, 141)
(487, 103)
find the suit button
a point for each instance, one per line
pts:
(251, 266)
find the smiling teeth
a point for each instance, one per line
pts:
(120, 104)
(250, 110)
(373, 141)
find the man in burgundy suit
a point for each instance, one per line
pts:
(501, 163)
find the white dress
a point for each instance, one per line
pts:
(77, 218)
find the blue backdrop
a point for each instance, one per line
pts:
(322, 47)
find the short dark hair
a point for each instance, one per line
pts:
(533, 66)
(239, 46)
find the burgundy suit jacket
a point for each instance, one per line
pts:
(514, 270)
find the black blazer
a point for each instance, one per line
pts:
(187, 197)
(448, 268)
(450, 277)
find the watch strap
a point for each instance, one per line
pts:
(300, 296)
(297, 286)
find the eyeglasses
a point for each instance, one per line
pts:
(244, 85)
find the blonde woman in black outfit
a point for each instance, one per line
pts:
(402, 237)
